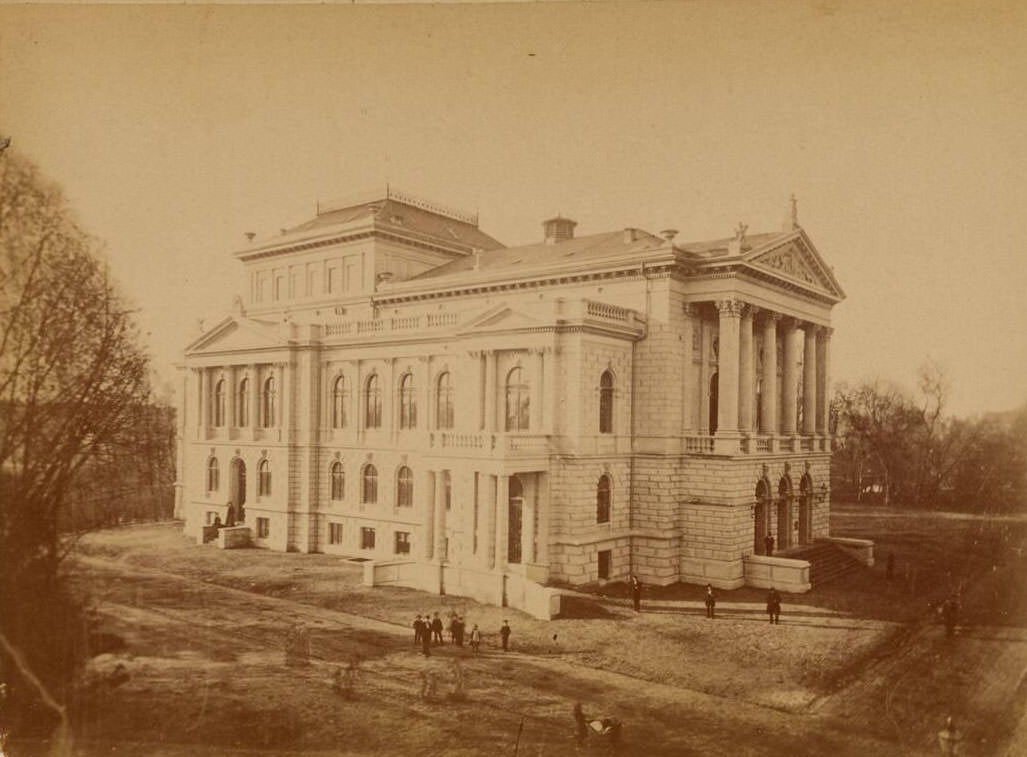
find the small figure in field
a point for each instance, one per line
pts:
(889, 568)
(711, 601)
(453, 617)
(768, 542)
(580, 724)
(475, 638)
(949, 738)
(460, 628)
(636, 592)
(436, 629)
(950, 615)
(230, 515)
(774, 606)
(426, 638)
(504, 635)
(418, 630)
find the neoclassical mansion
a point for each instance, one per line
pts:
(396, 385)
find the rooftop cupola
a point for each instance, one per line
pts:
(558, 229)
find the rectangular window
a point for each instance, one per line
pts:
(605, 557)
(402, 543)
(366, 538)
(210, 517)
(335, 533)
(263, 528)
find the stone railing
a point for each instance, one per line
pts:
(611, 312)
(373, 326)
(442, 319)
(699, 445)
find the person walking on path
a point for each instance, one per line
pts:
(453, 617)
(774, 606)
(711, 601)
(418, 630)
(436, 629)
(426, 639)
(504, 635)
(475, 638)
(636, 592)
(460, 627)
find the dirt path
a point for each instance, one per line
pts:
(178, 626)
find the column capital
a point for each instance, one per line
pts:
(770, 316)
(752, 311)
(730, 308)
(826, 332)
(475, 353)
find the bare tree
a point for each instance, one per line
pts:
(74, 390)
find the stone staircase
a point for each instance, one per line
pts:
(827, 562)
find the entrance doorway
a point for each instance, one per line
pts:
(515, 508)
(784, 514)
(714, 381)
(759, 546)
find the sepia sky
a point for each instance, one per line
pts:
(901, 127)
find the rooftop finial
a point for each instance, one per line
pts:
(740, 232)
(792, 222)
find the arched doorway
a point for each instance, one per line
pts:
(806, 509)
(784, 513)
(237, 483)
(515, 507)
(759, 546)
(714, 379)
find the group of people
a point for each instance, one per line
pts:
(710, 600)
(428, 631)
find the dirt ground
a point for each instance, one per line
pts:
(192, 657)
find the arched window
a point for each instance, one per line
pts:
(219, 403)
(373, 403)
(242, 404)
(339, 403)
(405, 488)
(369, 485)
(606, 403)
(518, 401)
(603, 500)
(267, 405)
(212, 474)
(444, 402)
(407, 402)
(338, 482)
(264, 479)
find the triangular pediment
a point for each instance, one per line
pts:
(796, 260)
(237, 335)
(501, 318)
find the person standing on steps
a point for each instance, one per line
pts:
(636, 592)
(711, 601)
(436, 629)
(504, 635)
(475, 638)
(774, 606)
(418, 630)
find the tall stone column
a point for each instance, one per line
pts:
(428, 487)
(790, 378)
(745, 370)
(542, 547)
(823, 382)
(528, 523)
(254, 399)
(204, 401)
(285, 388)
(688, 372)
(809, 381)
(491, 519)
(440, 516)
(704, 376)
(727, 368)
(538, 393)
(502, 520)
(491, 390)
(768, 408)
(231, 387)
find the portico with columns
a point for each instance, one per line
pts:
(479, 420)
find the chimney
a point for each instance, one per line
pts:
(250, 235)
(668, 235)
(791, 222)
(630, 235)
(558, 229)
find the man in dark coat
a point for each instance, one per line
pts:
(436, 629)
(769, 544)
(426, 637)
(774, 606)
(418, 630)
(504, 634)
(636, 592)
(711, 600)
(459, 631)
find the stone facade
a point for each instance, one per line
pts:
(398, 386)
